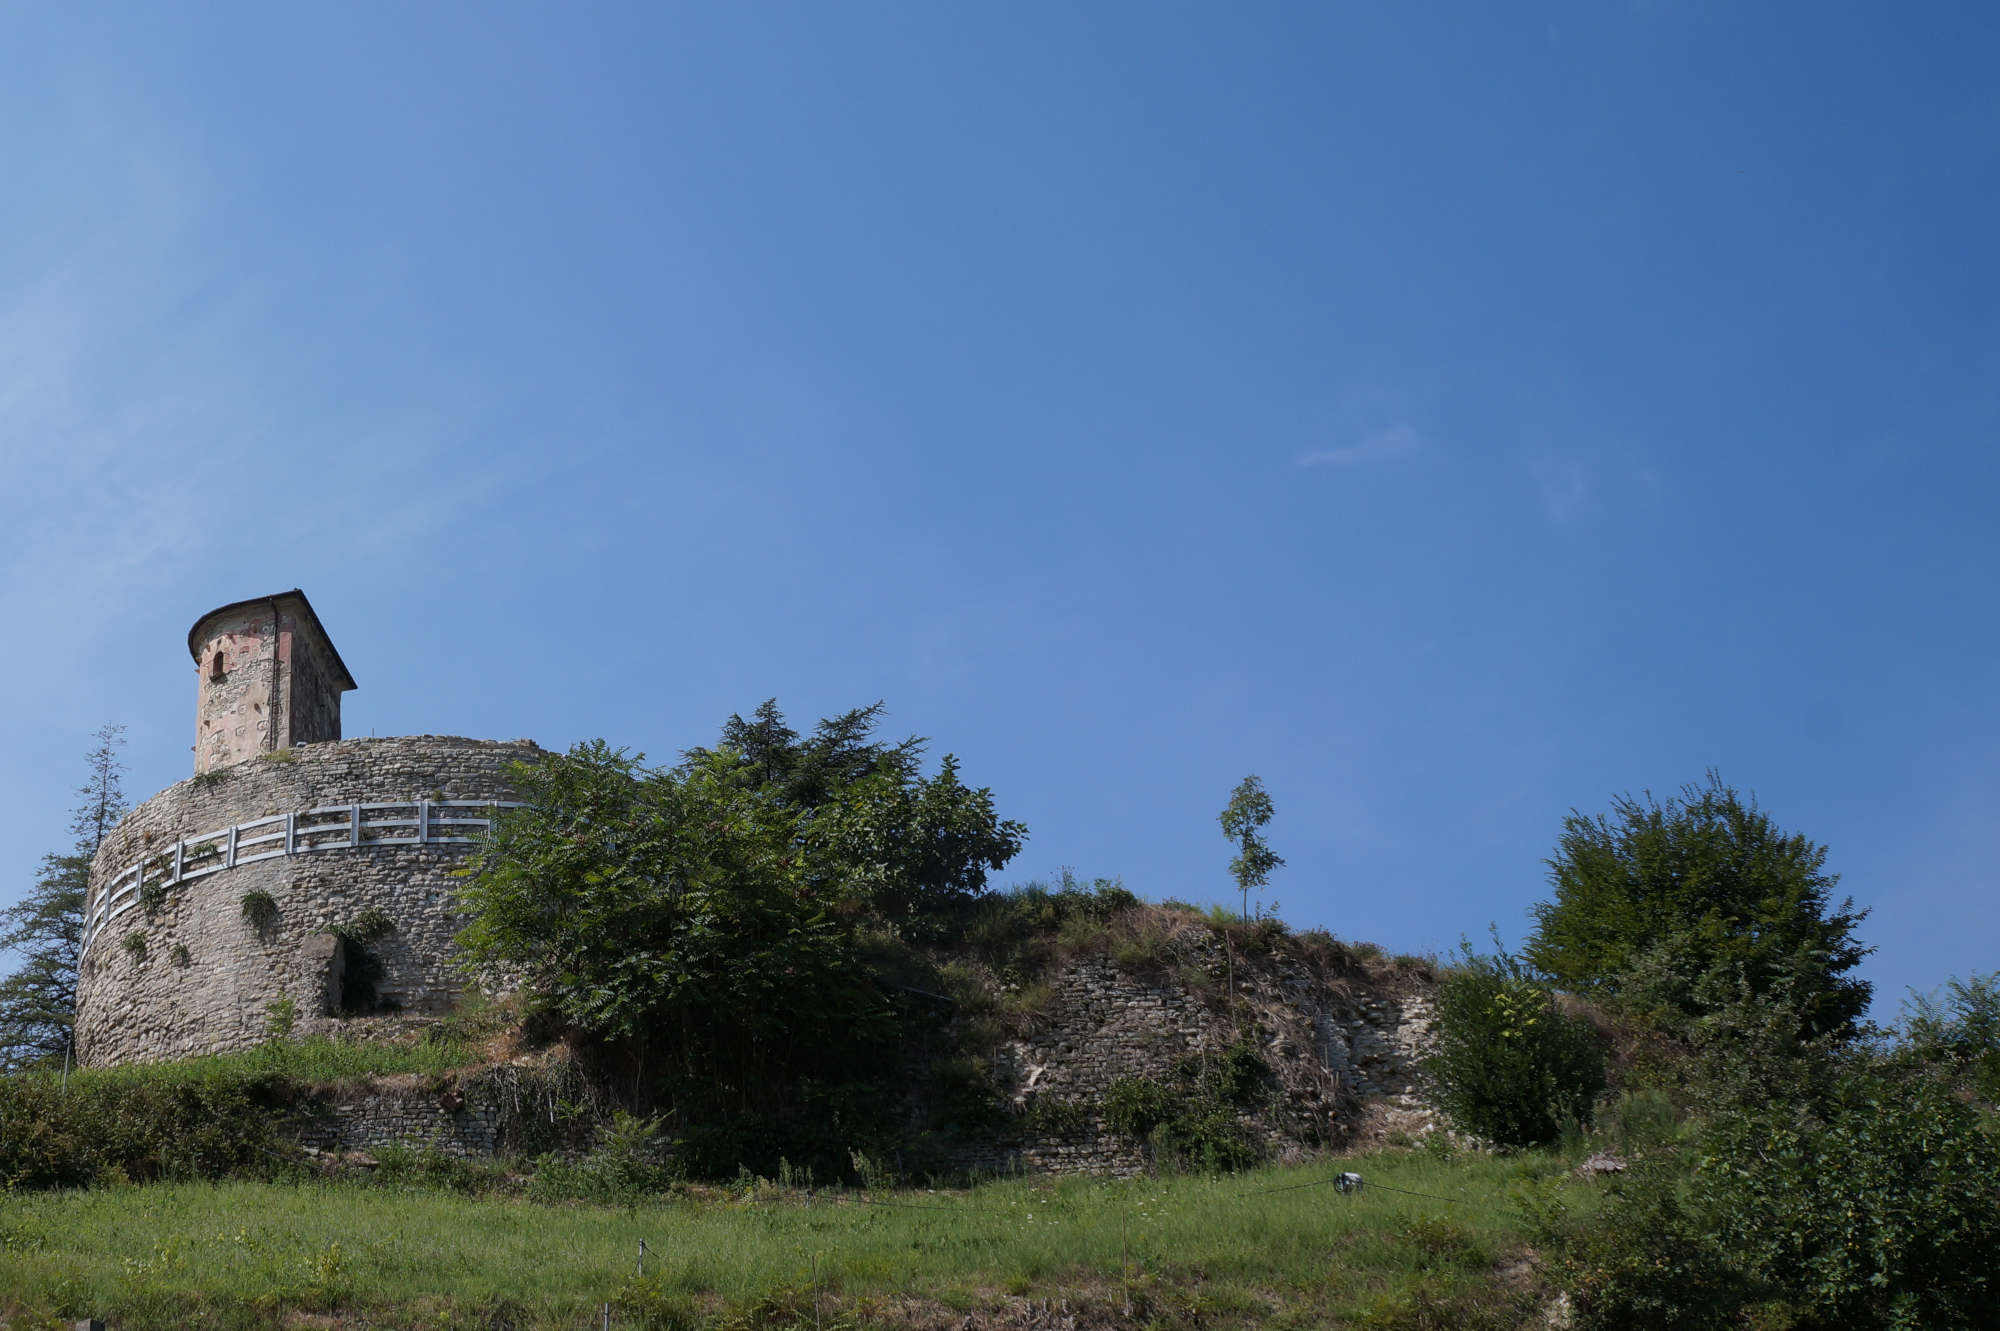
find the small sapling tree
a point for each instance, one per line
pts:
(1243, 820)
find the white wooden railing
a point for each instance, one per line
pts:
(358, 826)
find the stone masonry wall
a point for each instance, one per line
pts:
(1343, 1051)
(208, 976)
(1334, 1046)
(466, 1120)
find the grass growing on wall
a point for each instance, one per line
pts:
(314, 1060)
(1181, 1252)
(198, 1117)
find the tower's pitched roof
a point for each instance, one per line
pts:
(295, 595)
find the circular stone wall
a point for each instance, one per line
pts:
(182, 966)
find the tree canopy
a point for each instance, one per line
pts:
(724, 921)
(1681, 908)
(883, 838)
(1243, 820)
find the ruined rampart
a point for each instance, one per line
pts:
(1342, 1053)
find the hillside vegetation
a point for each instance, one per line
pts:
(408, 1250)
(763, 994)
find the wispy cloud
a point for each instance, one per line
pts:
(1565, 489)
(1578, 482)
(1383, 446)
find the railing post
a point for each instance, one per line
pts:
(229, 861)
(354, 824)
(180, 849)
(291, 834)
(423, 822)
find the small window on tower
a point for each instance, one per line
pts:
(215, 667)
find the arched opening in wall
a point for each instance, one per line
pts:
(353, 969)
(215, 670)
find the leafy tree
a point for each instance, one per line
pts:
(884, 840)
(1243, 820)
(1509, 1063)
(804, 773)
(1666, 906)
(45, 927)
(722, 923)
(670, 906)
(1959, 1028)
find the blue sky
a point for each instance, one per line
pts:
(1454, 415)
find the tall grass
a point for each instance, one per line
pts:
(195, 1118)
(1250, 1250)
(316, 1060)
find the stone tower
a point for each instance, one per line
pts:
(242, 891)
(269, 679)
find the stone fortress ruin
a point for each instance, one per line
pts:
(300, 883)
(297, 879)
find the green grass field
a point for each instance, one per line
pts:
(1177, 1252)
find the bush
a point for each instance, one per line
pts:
(1510, 1065)
(1883, 1211)
(765, 1145)
(259, 909)
(1134, 1106)
(1639, 1120)
(101, 1128)
(1649, 1259)
(1878, 1207)
(1048, 1117)
(625, 1166)
(428, 1169)
(1193, 1121)
(280, 1015)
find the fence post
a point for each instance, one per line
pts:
(230, 862)
(354, 824)
(180, 848)
(291, 833)
(423, 822)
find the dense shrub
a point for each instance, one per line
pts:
(734, 935)
(99, 1128)
(1510, 1065)
(1878, 1206)
(1649, 1259)
(626, 1164)
(1193, 1120)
